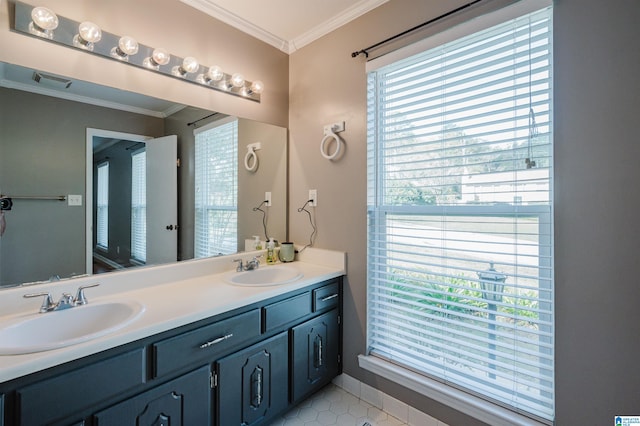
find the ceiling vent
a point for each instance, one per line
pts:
(51, 81)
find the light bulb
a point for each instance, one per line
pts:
(237, 80)
(158, 57)
(215, 73)
(190, 64)
(256, 87)
(88, 34)
(126, 46)
(44, 19)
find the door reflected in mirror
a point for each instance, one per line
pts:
(134, 213)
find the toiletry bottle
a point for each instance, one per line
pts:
(271, 255)
(257, 244)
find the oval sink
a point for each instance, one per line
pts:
(53, 330)
(265, 276)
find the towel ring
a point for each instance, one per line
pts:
(323, 145)
(248, 158)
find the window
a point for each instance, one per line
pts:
(139, 206)
(460, 249)
(102, 228)
(216, 186)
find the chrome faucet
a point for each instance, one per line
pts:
(66, 300)
(250, 265)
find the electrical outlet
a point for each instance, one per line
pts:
(267, 198)
(313, 197)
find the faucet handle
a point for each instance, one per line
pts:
(47, 303)
(240, 268)
(80, 298)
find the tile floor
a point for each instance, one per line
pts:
(333, 405)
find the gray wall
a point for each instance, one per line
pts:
(596, 101)
(271, 176)
(43, 152)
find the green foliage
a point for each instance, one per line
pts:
(459, 295)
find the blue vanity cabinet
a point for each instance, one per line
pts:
(315, 355)
(241, 367)
(252, 384)
(181, 402)
(63, 398)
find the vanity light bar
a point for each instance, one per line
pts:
(89, 37)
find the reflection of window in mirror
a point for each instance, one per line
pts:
(139, 207)
(216, 188)
(102, 231)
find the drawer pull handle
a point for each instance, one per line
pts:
(256, 387)
(320, 355)
(333, 296)
(216, 341)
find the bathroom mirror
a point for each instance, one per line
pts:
(45, 134)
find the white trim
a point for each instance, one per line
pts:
(471, 26)
(451, 397)
(238, 22)
(334, 23)
(9, 84)
(287, 46)
(91, 133)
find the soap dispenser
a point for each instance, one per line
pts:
(257, 244)
(271, 254)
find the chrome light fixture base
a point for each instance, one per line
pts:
(67, 31)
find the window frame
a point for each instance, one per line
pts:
(203, 212)
(478, 407)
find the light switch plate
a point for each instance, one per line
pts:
(74, 200)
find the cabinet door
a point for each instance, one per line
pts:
(253, 383)
(184, 401)
(315, 354)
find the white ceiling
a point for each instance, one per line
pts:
(285, 24)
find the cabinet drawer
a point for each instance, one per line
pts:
(61, 397)
(326, 297)
(206, 343)
(286, 311)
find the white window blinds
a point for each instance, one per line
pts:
(460, 249)
(216, 186)
(102, 206)
(139, 206)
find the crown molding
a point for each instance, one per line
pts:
(211, 9)
(287, 46)
(336, 22)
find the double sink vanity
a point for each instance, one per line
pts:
(195, 343)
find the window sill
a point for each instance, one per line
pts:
(458, 400)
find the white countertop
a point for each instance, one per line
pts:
(173, 295)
